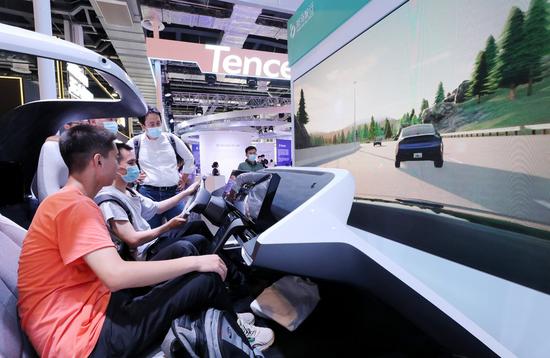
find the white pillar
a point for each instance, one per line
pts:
(158, 81)
(46, 68)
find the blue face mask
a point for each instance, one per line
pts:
(111, 126)
(252, 157)
(154, 132)
(132, 173)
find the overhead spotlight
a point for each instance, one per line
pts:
(169, 100)
(252, 82)
(152, 24)
(281, 115)
(198, 111)
(271, 129)
(210, 79)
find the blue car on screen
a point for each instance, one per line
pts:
(419, 142)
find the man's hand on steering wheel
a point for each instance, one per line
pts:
(192, 188)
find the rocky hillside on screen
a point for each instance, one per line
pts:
(510, 81)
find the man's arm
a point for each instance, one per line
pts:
(124, 230)
(186, 155)
(169, 203)
(118, 274)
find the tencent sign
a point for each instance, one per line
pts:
(222, 59)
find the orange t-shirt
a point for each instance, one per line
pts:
(62, 303)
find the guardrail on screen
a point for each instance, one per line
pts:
(314, 156)
(508, 131)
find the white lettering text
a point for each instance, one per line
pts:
(232, 64)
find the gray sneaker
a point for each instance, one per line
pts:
(246, 317)
(258, 337)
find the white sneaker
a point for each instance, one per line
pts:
(258, 337)
(246, 317)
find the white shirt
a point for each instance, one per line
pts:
(141, 208)
(158, 160)
(52, 172)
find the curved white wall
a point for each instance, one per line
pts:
(226, 148)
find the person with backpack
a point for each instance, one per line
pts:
(157, 156)
(77, 297)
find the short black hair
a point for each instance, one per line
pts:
(215, 165)
(249, 148)
(120, 146)
(79, 143)
(150, 110)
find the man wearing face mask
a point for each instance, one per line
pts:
(157, 156)
(250, 164)
(52, 173)
(128, 223)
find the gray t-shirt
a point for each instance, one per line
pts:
(141, 208)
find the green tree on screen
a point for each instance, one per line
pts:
(536, 40)
(342, 137)
(362, 133)
(405, 120)
(440, 94)
(511, 69)
(387, 129)
(302, 115)
(491, 51)
(425, 104)
(372, 128)
(478, 84)
(350, 135)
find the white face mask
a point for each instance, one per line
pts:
(154, 132)
(111, 126)
(252, 157)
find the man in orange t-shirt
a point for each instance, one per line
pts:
(72, 283)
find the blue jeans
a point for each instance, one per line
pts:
(160, 195)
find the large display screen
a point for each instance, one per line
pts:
(442, 101)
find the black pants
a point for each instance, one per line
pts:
(135, 324)
(194, 238)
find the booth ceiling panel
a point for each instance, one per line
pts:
(122, 24)
(115, 13)
(236, 28)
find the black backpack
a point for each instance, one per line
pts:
(137, 144)
(122, 248)
(207, 334)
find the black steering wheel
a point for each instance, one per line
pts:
(191, 199)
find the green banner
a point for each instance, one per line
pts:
(314, 21)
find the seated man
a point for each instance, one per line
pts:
(74, 298)
(128, 223)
